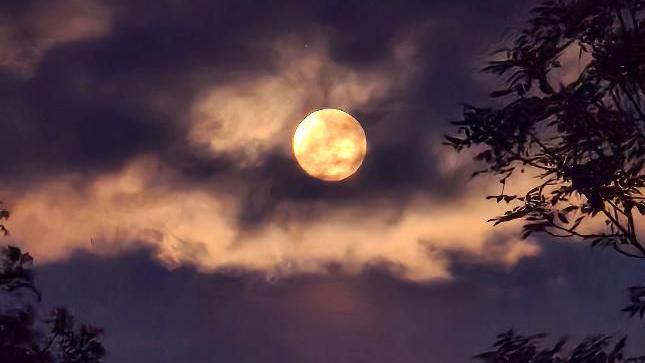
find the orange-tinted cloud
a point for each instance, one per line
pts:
(143, 205)
(149, 202)
(256, 114)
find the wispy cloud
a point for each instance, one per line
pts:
(24, 40)
(169, 127)
(146, 204)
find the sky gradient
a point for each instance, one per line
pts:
(148, 170)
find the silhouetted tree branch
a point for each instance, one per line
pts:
(584, 140)
(511, 347)
(21, 337)
(583, 143)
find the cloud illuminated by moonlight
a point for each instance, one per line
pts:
(253, 115)
(141, 206)
(148, 203)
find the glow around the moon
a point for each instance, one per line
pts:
(330, 144)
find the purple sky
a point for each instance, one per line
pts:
(148, 171)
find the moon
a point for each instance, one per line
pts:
(329, 145)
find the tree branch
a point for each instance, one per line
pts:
(626, 233)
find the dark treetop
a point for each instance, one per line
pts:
(23, 338)
(584, 140)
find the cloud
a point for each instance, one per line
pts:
(24, 40)
(255, 115)
(170, 127)
(142, 205)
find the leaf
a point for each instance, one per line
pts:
(597, 241)
(563, 218)
(26, 259)
(453, 140)
(577, 222)
(570, 209)
(13, 253)
(501, 93)
(641, 208)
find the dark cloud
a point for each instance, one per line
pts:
(60, 121)
(94, 99)
(130, 83)
(88, 105)
(396, 172)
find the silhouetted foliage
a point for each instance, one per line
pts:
(511, 347)
(637, 301)
(23, 339)
(14, 271)
(4, 215)
(582, 142)
(584, 139)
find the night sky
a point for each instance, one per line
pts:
(148, 169)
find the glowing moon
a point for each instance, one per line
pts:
(330, 145)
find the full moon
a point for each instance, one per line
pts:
(330, 145)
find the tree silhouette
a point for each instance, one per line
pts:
(585, 139)
(581, 141)
(514, 348)
(24, 339)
